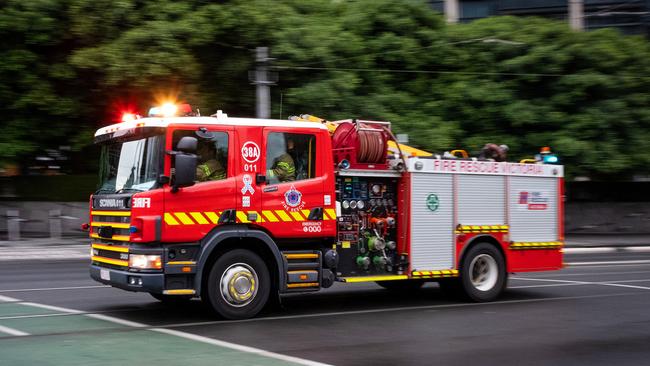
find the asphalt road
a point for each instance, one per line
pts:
(593, 313)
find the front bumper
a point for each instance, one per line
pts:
(151, 282)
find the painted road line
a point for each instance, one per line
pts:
(232, 346)
(578, 283)
(608, 263)
(588, 250)
(586, 274)
(7, 299)
(111, 319)
(54, 288)
(587, 283)
(54, 308)
(12, 331)
(238, 347)
(392, 309)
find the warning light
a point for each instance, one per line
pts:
(128, 117)
(170, 110)
(551, 159)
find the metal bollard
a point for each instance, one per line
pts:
(55, 224)
(13, 225)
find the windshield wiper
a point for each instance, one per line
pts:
(127, 190)
(103, 190)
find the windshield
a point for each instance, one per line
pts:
(131, 166)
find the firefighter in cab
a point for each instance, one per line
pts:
(283, 167)
(210, 168)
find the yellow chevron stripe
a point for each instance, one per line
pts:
(112, 248)
(270, 216)
(297, 216)
(212, 216)
(116, 262)
(170, 220)
(306, 213)
(115, 237)
(113, 224)
(110, 213)
(198, 217)
(185, 220)
(283, 215)
(242, 217)
(331, 213)
(260, 218)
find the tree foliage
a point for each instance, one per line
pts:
(66, 67)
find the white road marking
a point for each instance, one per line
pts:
(394, 309)
(587, 283)
(54, 288)
(577, 283)
(238, 347)
(610, 263)
(7, 299)
(111, 319)
(54, 308)
(588, 250)
(176, 333)
(585, 274)
(12, 331)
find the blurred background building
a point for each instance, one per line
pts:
(630, 16)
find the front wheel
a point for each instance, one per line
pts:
(238, 285)
(483, 273)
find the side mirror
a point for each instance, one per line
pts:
(185, 170)
(187, 144)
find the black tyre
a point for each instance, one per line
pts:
(401, 285)
(483, 273)
(172, 299)
(238, 285)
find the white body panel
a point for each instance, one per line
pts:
(533, 209)
(522, 196)
(432, 231)
(481, 199)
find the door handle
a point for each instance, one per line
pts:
(316, 213)
(228, 217)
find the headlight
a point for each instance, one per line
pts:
(143, 261)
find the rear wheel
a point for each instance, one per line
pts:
(238, 285)
(483, 273)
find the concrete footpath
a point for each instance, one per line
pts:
(78, 247)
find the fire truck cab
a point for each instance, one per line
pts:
(237, 211)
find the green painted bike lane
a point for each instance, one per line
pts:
(60, 338)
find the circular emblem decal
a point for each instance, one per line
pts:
(250, 152)
(293, 197)
(432, 202)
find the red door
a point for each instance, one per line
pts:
(193, 211)
(293, 198)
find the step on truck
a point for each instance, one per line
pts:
(237, 211)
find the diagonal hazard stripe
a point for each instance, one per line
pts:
(212, 216)
(331, 213)
(242, 217)
(198, 217)
(283, 215)
(185, 220)
(260, 218)
(170, 220)
(297, 216)
(270, 216)
(306, 213)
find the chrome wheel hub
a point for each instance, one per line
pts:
(239, 284)
(484, 272)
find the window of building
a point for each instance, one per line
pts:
(290, 157)
(212, 153)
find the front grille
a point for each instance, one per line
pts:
(110, 223)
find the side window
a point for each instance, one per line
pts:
(290, 157)
(212, 152)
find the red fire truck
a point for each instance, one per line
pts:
(237, 211)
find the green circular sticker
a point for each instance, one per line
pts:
(432, 202)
